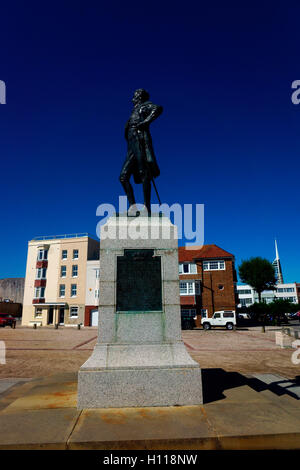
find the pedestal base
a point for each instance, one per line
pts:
(128, 375)
(139, 387)
(140, 359)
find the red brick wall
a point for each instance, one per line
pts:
(212, 298)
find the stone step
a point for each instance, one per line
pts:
(280, 385)
(240, 417)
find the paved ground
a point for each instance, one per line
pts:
(238, 413)
(45, 351)
(251, 396)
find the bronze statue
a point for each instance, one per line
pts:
(140, 159)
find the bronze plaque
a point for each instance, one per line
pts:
(139, 281)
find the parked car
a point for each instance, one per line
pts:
(297, 316)
(7, 320)
(221, 318)
(244, 316)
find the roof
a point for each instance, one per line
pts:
(207, 251)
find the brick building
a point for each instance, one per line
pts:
(207, 281)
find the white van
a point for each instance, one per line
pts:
(223, 318)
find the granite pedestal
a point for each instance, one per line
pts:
(139, 359)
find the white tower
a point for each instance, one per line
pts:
(277, 266)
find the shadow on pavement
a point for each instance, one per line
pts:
(216, 381)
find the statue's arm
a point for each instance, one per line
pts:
(155, 111)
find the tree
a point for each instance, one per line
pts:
(259, 273)
(260, 311)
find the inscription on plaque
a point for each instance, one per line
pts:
(139, 281)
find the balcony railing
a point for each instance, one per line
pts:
(66, 235)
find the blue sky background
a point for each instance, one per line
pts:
(228, 137)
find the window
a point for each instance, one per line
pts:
(41, 273)
(187, 268)
(75, 254)
(73, 290)
(39, 292)
(291, 299)
(64, 254)
(203, 312)
(217, 315)
(73, 312)
(42, 255)
(220, 287)
(97, 273)
(183, 288)
(62, 290)
(188, 312)
(214, 265)
(97, 293)
(228, 315)
(74, 270)
(189, 287)
(38, 312)
(285, 289)
(245, 302)
(244, 291)
(63, 271)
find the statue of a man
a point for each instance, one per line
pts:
(140, 159)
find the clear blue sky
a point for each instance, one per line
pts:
(228, 137)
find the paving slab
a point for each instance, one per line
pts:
(6, 384)
(254, 425)
(143, 428)
(14, 392)
(46, 396)
(42, 414)
(37, 429)
(282, 384)
(284, 401)
(240, 394)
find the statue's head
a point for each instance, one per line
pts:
(140, 96)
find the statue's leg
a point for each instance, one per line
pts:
(125, 179)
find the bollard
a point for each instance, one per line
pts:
(34, 326)
(78, 326)
(56, 326)
(263, 329)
